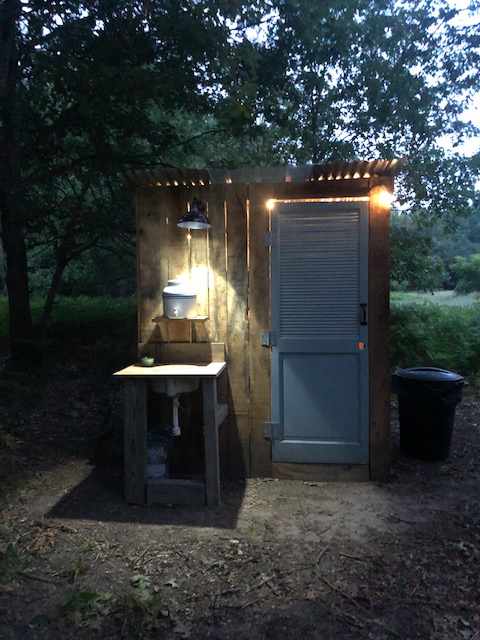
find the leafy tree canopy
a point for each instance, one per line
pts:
(378, 79)
(109, 85)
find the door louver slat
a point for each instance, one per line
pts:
(319, 273)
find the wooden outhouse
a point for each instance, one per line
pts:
(293, 278)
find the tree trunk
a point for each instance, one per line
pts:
(314, 130)
(12, 221)
(52, 294)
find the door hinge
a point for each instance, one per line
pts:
(271, 430)
(268, 339)
(268, 239)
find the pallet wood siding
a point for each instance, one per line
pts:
(217, 313)
(233, 264)
(259, 321)
(216, 325)
(236, 197)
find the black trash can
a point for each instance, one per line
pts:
(427, 398)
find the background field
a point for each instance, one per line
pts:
(440, 329)
(444, 298)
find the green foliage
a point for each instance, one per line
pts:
(467, 272)
(96, 316)
(85, 607)
(107, 87)
(377, 79)
(140, 607)
(101, 271)
(413, 266)
(101, 90)
(428, 334)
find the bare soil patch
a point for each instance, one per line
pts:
(279, 559)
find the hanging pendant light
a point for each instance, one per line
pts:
(196, 218)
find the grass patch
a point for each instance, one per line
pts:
(444, 298)
(99, 316)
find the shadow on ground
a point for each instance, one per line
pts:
(98, 497)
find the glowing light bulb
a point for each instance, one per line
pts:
(384, 198)
(270, 204)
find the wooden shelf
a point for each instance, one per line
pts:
(181, 329)
(165, 319)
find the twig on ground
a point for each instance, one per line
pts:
(322, 553)
(359, 606)
(261, 583)
(30, 576)
(347, 555)
(273, 588)
(249, 603)
(142, 554)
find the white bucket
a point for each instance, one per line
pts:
(179, 300)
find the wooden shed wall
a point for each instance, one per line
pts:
(231, 265)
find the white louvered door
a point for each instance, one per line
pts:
(319, 310)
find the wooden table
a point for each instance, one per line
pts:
(138, 490)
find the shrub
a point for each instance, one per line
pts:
(434, 335)
(467, 273)
(414, 265)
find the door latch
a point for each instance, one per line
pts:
(268, 339)
(271, 430)
(363, 314)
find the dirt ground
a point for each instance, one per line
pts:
(279, 559)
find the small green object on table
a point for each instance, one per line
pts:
(147, 361)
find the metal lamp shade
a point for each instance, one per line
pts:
(196, 218)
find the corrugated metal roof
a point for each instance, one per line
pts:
(340, 170)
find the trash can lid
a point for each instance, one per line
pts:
(429, 374)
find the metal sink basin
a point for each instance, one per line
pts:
(175, 386)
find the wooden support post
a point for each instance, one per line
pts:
(210, 433)
(135, 440)
(378, 330)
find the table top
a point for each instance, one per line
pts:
(207, 370)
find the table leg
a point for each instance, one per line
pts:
(210, 433)
(135, 440)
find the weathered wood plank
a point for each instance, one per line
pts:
(199, 268)
(210, 434)
(321, 472)
(152, 211)
(135, 440)
(197, 352)
(217, 296)
(378, 331)
(177, 238)
(259, 321)
(238, 427)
